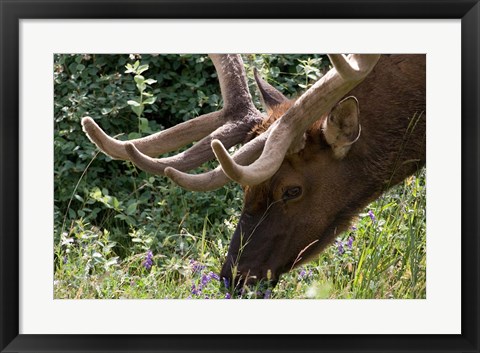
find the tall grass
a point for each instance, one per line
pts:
(174, 244)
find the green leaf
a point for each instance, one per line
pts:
(138, 109)
(150, 100)
(115, 203)
(131, 209)
(141, 86)
(139, 79)
(144, 125)
(96, 193)
(111, 262)
(134, 135)
(129, 69)
(274, 71)
(150, 81)
(106, 111)
(142, 68)
(72, 67)
(71, 213)
(133, 103)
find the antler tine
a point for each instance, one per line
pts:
(199, 153)
(317, 101)
(155, 144)
(238, 114)
(231, 74)
(216, 178)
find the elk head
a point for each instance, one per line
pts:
(306, 169)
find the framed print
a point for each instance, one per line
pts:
(352, 213)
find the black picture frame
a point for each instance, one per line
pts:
(11, 11)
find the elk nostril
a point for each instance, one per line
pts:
(246, 216)
(226, 282)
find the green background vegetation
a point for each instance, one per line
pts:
(122, 233)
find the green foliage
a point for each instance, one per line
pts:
(112, 219)
(96, 86)
(144, 97)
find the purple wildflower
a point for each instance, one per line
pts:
(341, 250)
(304, 274)
(214, 276)
(268, 294)
(148, 262)
(228, 296)
(197, 267)
(205, 279)
(195, 290)
(353, 228)
(350, 242)
(371, 215)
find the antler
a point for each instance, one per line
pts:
(315, 103)
(216, 178)
(230, 125)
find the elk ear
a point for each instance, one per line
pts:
(270, 96)
(341, 128)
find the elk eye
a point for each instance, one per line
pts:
(292, 192)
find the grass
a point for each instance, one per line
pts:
(173, 245)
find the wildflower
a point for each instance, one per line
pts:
(195, 290)
(304, 274)
(228, 296)
(341, 250)
(371, 215)
(350, 242)
(148, 262)
(353, 228)
(205, 279)
(268, 294)
(197, 267)
(214, 276)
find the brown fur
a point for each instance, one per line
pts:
(275, 114)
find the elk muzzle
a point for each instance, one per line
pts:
(252, 257)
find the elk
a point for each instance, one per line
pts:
(308, 167)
